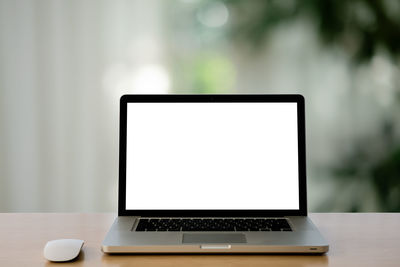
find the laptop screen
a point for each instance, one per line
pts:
(212, 156)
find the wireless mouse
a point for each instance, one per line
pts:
(62, 249)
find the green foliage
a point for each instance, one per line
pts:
(359, 26)
(213, 75)
(386, 179)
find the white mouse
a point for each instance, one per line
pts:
(62, 249)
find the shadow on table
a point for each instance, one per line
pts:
(215, 260)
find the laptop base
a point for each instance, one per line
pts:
(305, 238)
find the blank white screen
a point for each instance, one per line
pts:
(212, 156)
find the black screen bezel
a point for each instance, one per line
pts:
(296, 98)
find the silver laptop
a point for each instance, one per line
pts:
(212, 174)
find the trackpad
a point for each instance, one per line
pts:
(213, 238)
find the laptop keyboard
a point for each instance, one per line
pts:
(215, 224)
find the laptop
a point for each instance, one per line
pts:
(212, 174)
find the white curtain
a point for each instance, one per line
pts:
(63, 67)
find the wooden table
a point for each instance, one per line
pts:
(356, 239)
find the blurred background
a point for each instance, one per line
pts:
(64, 65)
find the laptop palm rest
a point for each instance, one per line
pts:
(213, 238)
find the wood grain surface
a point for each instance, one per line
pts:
(356, 239)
